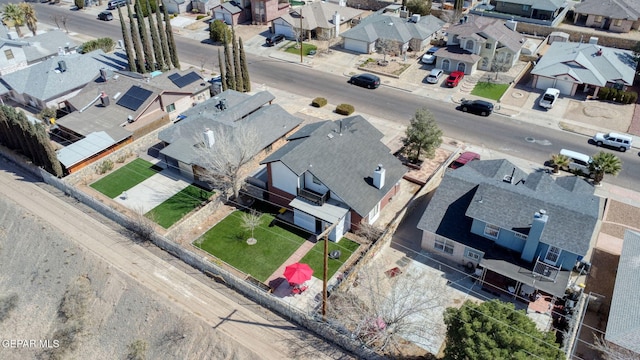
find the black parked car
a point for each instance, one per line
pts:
(106, 16)
(481, 107)
(369, 81)
(274, 39)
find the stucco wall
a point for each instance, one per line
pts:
(577, 36)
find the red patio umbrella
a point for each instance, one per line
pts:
(298, 273)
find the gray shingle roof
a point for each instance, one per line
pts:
(581, 62)
(320, 15)
(572, 208)
(390, 27)
(47, 44)
(623, 325)
(45, 81)
(615, 9)
(270, 121)
(344, 163)
(488, 27)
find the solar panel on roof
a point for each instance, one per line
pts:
(185, 80)
(134, 98)
(174, 77)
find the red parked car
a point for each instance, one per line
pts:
(464, 158)
(454, 79)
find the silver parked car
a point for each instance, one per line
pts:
(434, 76)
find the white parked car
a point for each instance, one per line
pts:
(619, 141)
(434, 76)
(549, 98)
(428, 57)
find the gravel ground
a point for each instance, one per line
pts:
(620, 216)
(105, 311)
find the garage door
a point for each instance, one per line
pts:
(565, 87)
(544, 83)
(284, 30)
(355, 45)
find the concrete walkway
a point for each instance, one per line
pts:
(152, 192)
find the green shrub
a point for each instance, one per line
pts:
(319, 102)
(622, 97)
(613, 94)
(106, 44)
(195, 11)
(105, 167)
(632, 97)
(345, 109)
(200, 17)
(217, 30)
(603, 93)
(79, 4)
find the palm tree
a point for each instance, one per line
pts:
(13, 13)
(604, 163)
(559, 161)
(30, 17)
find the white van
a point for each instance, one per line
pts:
(618, 141)
(578, 161)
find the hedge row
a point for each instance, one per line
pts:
(619, 96)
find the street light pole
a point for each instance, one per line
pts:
(301, 37)
(325, 271)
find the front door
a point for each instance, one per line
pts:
(318, 226)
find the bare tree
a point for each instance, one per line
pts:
(250, 221)
(500, 63)
(383, 309)
(385, 46)
(325, 35)
(223, 158)
(369, 232)
(610, 351)
(142, 226)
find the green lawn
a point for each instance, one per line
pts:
(180, 204)
(489, 90)
(305, 49)
(227, 241)
(125, 178)
(315, 255)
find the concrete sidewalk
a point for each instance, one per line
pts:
(152, 192)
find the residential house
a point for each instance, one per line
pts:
(583, 68)
(117, 108)
(414, 33)
(265, 11)
(203, 6)
(333, 173)
(231, 12)
(232, 111)
(619, 16)
(519, 232)
(55, 80)
(480, 43)
(623, 324)
(320, 20)
(20, 53)
(534, 9)
(177, 6)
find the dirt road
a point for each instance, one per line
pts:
(267, 337)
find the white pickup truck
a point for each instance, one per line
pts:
(549, 98)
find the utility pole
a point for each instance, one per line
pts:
(325, 235)
(302, 37)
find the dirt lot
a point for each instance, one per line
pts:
(105, 312)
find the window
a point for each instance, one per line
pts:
(521, 236)
(444, 245)
(488, 46)
(552, 255)
(8, 54)
(373, 215)
(171, 108)
(617, 22)
(491, 231)
(315, 180)
(472, 255)
(526, 7)
(598, 19)
(445, 64)
(469, 45)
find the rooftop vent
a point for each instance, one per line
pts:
(509, 178)
(62, 66)
(104, 99)
(378, 177)
(222, 104)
